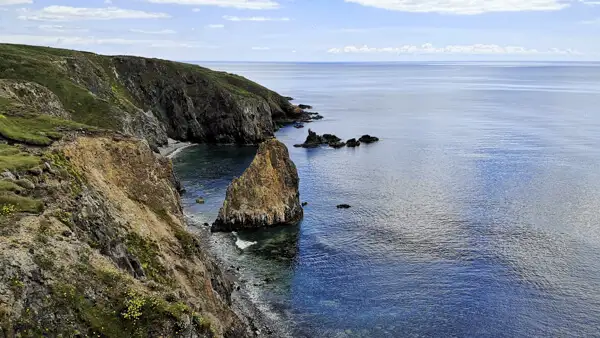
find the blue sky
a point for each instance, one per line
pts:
(311, 30)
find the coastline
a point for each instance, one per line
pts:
(173, 148)
(243, 298)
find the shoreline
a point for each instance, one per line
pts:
(243, 303)
(173, 148)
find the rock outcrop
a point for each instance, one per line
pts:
(265, 195)
(147, 98)
(34, 96)
(352, 143)
(98, 247)
(367, 139)
(314, 141)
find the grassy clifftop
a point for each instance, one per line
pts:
(148, 98)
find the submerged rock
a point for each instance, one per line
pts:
(353, 143)
(265, 195)
(200, 200)
(304, 106)
(344, 206)
(298, 126)
(368, 139)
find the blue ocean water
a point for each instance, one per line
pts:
(477, 215)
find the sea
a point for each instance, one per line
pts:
(476, 215)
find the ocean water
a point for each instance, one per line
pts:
(477, 215)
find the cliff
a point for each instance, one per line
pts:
(148, 98)
(265, 195)
(92, 236)
(96, 244)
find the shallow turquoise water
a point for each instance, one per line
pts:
(477, 215)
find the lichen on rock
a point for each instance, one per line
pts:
(265, 195)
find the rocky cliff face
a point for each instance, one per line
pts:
(92, 237)
(105, 252)
(265, 195)
(150, 98)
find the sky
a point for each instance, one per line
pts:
(311, 30)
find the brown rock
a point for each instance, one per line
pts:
(265, 195)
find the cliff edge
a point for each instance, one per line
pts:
(265, 195)
(147, 98)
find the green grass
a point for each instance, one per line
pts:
(45, 66)
(7, 186)
(19, 124)
(13, 159)
(89, 90)
(20, 203)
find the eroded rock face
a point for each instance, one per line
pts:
(111, 234)
(265, 195)
(34, 95)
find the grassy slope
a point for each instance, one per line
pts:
(49, 67)
(68, 73)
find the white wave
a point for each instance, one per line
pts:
(242, 244)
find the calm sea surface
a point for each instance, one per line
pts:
(477, 215)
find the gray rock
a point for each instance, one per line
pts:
(37, 171)
(8, 175)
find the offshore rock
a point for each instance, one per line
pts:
(353, 143)
(368, 139)
(313, 140)
(265, 195)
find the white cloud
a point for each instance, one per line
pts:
(216, 26)
(261, 48)
(108, 2)
(67, 13)
(240, 4)
(465, 7)
(195, 10)
(158, 32)
(15, 2)
(253, 18)
(478, 49)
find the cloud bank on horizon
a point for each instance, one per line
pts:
(299, 30)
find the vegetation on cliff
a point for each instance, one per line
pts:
(97, 246)
(149, 98)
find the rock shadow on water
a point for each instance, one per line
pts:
(275, 244)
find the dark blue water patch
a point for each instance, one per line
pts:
(205, 172)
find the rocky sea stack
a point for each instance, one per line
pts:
(265, 195)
